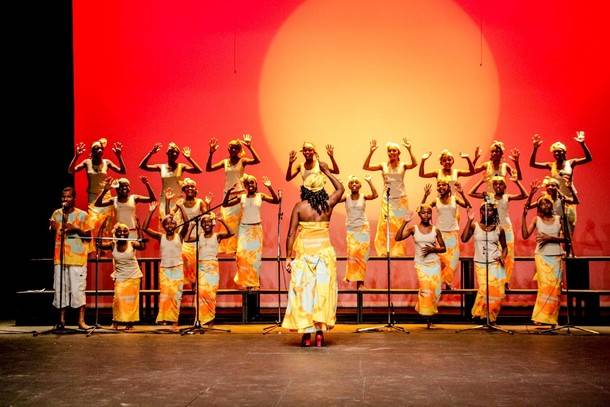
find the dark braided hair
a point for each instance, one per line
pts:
(317, 200)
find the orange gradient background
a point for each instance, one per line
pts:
(343, 72)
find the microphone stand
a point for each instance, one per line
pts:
(390, 326)
(487, 325)
(569, 249)
(197, 328)
(60, 328)
(278, 321)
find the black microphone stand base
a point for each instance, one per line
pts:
(567, 327)
(97, 328)
(197, 328)
(487, 326)
(60, 329)
(269, 329)
(385, 328)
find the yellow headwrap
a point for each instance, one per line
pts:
(558, 146)
(188, 181)
(497, 144)
(315, 182)
(391, 144)
(101, 142)
(117, 182)
(173, 146)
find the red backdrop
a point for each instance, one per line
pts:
(444, 74)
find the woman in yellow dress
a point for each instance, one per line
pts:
(312, 295)
(497, 167)
(447, 173)
(311, 165)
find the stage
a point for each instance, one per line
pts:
(246, 368)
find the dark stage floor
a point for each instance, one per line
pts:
(426, 367)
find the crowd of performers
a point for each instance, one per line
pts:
(310, 257)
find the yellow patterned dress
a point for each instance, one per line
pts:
(358, 239)
(171, 279)
(188, 248)
(312, 295)
(209, 277)
(447, 222)
(126, 276)
(507, 226)
(396, 208)
(249, 243)
(428, 270)
(548, 274)
(231, 215)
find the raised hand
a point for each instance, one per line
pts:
(373, 145)
(464, 155)
(537, 140)
(169, 194)
(427, 155)
(213, 145)
(208, 198)
(330, 150)
(580, 136)
(80, 148)
(514, 154)
(186, 150)
(292, 157)
(266, 182)
(144, 180)
(367, 178)
(458, 187)
(246, 140)
(427, 189)
(406, 143)
(117, 148)
(153, 205)
(156, 148)
(534, 187)
(477, 153)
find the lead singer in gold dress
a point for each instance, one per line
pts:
(312, 295)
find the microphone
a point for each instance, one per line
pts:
(279, 194)
(65, 205)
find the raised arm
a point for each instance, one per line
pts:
(537, 141)
(330, 150)
(193, 168)
(407, 145)
(401, 234)
(292, 231)
(228, 233)
(580, 138)
(522, 192)
(151, 195)
(155, 234)
(422, 171)
(367, 163)
(427, 190)
(526, 231)
(474, 191)
(117, 149)
(274, 199)
(247, 142)
(144, 165)
(72, 167)
(334, 198)
(99, 201)
(533, 188)
(290, 173)
(462, 173)
(461, 200)
(209, 167)
(373, 194)
(514, 156)
(469, 228)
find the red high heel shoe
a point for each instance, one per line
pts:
(306, 340)
(319, 339)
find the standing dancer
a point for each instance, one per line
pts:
(496, 167)
(190, 207)
(489, 250)
(397, 209)
(501, 200)
(250, 235)
(171, 172)
(547, 258)
(97, 170)
(358, 234)
(312, 162)
(234, 170)
(428, 244)
(312, 295)
(171, 273)
(448, 223)
(562, 169)
(126, 275)
(71, 282)
(124, 202)
(208, 271)
(551, 186)
(447, 173)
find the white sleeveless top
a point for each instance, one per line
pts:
(125, 264)
(502, 206)
(170, 179)
(171, 251)
(558, 174)
(549, 249)
(393, 178)
(314, 170)
(233, 174)
(95, 178)
(251, 209)
(356, 215)
(208, 247)
(421, 240)
(450, 178)
(190, 213)
(447, 218)
(126, 211)
(480, 246)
